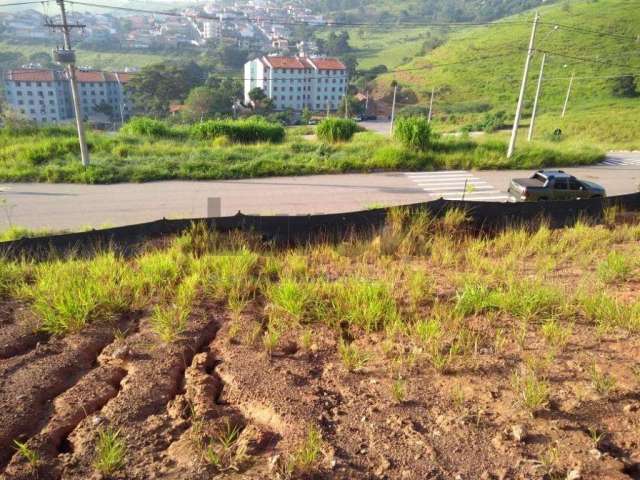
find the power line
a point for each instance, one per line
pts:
(18, 4)
(580, 59)
(600, 33)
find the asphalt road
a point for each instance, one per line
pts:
(63, 206)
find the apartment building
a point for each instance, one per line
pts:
(44, 96)
(298, 82)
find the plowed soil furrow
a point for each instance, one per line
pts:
(156, 376)
(29, 385)
(86, 397)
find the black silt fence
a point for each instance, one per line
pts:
(303, 228)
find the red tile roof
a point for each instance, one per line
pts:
(31, 75)
(84, 76)
(328, 64)
(286, 62)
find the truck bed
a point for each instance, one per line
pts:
(529, 182)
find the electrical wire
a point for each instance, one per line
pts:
(600, 33)
(18, 4)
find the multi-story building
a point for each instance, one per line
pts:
(298, 82)
(44, 96)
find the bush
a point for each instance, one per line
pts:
(147, 127)
(413, 132)
(252, 130)
(335, 130)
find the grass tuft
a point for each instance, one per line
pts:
(110, 451)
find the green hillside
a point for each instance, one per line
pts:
(480, 69)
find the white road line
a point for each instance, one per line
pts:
(467, 194)
(443, 172)
(461, 184)
(456, 185)
(460, 190)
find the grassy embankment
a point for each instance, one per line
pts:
(422, 299)
(379, 284)
(51, 155)
(594, 116)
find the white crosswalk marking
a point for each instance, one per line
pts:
(456, 185)
(621, 162)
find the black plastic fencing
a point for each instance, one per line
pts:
(303, 228)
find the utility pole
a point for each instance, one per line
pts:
(67, 57)
(535, 102)
(393, 108)
(523, 86)
(433, 92)
(566, 100)
(346, 107)
(366, 104)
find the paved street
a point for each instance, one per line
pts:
(61, 206)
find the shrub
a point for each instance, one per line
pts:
(413, 132)
(335, 130)
(252, 130)
(147, 127)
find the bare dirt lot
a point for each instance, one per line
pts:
(423, 352)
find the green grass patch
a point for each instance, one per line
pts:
(152, 156)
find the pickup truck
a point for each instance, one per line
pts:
(552, 185)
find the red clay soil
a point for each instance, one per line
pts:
(463, 424)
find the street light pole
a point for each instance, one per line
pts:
(566, 100)
(535, 102)
(393, 108)
(71, 68)
(523, 86)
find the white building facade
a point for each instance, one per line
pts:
(44, 96)
(295, 83)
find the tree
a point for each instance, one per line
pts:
(257, 95)
(200, 102)
(351, 62)
(156, 86)
(624, 86)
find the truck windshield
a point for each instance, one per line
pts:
(540, 177)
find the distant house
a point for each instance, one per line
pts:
(296, 83)
(44, 96)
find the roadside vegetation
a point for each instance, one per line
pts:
(148, 150)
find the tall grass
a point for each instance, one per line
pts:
(252, 130)
(148, 127)
(334, 130)
(413, 132)
(67, 295)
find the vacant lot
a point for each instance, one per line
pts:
(421, 351)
